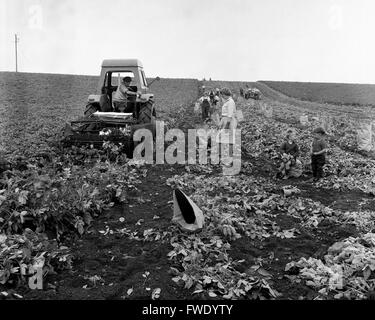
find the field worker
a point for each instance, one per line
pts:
(212, 95)
(205, 106)
(202, 90)
(241, 92)
(228, 120)
(216, 97)
(289, 152)
(228, 110)
(120, 97)
(318, 153)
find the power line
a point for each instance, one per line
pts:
(16, 40)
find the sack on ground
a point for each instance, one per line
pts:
(186, 213)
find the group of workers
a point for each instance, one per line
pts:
(290, 165)
(218, 106)
(209, 102)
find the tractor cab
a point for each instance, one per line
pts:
(99, 112)
(112, 73)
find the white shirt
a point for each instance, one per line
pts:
(229, 108)
(121, 93)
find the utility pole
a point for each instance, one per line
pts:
(16, 40)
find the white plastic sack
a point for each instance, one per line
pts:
(178, 213)
(364, 136)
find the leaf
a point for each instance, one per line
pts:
(212, 294)
(3, 238)
(264, 272)
(156, 293)
(228, 296)
(22, 197)
(311, 283)
(289, 234)
(207, 280)
(139, 222)
(2, 199)
(80, 228)
(198, 291)
(26, 253)
(176, 279)
(4, 276)
(189, 283)
(129, 292)
(87, 218)
(366, 273)
(323, 291)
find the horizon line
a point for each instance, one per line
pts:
(201, 80)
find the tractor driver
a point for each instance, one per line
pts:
(120, 97)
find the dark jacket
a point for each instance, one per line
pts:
(290, 148)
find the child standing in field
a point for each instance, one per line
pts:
(318, 153)
(289, 151)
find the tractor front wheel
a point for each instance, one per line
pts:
(147, 113)
(90, 109)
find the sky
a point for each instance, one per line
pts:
(238, 40)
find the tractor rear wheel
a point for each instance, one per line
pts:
(147, 113)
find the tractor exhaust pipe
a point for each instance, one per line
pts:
(156, 79)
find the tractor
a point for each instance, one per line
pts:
(99, 118)
(252, 93)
